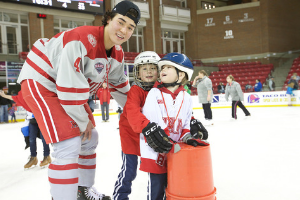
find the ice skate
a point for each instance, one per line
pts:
(90, 193)
(46, 161)
(31, 163)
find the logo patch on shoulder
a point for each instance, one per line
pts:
(118, 47)
(99, 67)
(92, 40)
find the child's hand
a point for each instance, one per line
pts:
(197, 142)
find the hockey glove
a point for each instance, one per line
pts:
(198, 130)
(197, 142)
(156, 138)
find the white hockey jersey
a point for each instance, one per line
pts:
(73, 64)
(172, 112)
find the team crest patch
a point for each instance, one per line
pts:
(160, 101)
(92, 40)
(99, 67)
(118, 47)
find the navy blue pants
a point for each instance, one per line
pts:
(34, 131)
(157, 184)
(126, 176)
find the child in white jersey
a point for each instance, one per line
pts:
(170, 107)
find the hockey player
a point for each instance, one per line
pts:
(132, 121)
(168, 107)
(57, 79)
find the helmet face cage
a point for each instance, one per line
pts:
(136, 75)
(144, 58)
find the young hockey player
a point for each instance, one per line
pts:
(132, 121)
(57, 79)
(168, 107)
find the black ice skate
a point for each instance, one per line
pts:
(90, 193)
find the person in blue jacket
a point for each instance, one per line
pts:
(258, 86)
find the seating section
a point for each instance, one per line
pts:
(295, 69)
(244, 73)
(130, 56)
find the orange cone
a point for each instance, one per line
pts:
(190, 174)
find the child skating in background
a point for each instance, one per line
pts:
(168, 107)
(11, 112)
(132, 121)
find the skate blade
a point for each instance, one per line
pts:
(33, 166)
(45, 166)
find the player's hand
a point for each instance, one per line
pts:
(156, 138)
(196, 142)
(87, 134)
(198, 130)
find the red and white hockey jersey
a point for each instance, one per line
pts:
(172, 112)
(73, 64)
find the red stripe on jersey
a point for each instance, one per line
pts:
(42, 55)
(39, 70)
(72, 102)
(63, 181)
(120, 86)
(63, 167)
(88, 156)
(47, 119)
(87, 166)
(184, 131)
(72, 90)
(43, 43)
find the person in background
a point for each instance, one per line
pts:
(205, 94)
(34, 133)
(235, 91)
(258, 86)
(11, 112)
(271, 84)
(294, 79)
(91, 103)
(4, 104)
(221, 88)
(31, 131)
(104, 97)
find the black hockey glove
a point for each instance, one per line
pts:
(119, 110)
(197, 142)
(156, 138)
(198, 130)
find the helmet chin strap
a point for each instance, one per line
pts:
(170, 84)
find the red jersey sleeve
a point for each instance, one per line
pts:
(20, 101)
(135, 101)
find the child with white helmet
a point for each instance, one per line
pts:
(132, 121)
(169, 109)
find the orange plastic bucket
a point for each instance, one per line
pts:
(190, 174)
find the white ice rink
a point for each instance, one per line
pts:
(257, 158)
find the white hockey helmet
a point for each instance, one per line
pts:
(146, 57)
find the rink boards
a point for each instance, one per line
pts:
(255, 99)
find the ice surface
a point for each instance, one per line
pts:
(255, 158)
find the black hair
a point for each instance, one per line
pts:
(107, 16)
